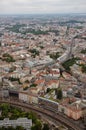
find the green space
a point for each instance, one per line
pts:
(54, 31)
(33, 85)
(54, 56)
(15, 28)
(25, 88)
(34, 52)
(12, 113)
(69, 63)
(8, 58)
(83, 51)
(35, 32)
(14, 79)
(42, 47)
(83, 68)
(80, 37)
(39, 32)
(58, 92)
(70, 22)
(11, 128)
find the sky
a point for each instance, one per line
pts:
(42, 6)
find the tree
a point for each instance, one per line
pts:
(10, 128)
(69, 63)
(54, 56)
(84, 68)
(34, 51)
(45, 127)
(3, 128)
(33, 116)
(5, 109)
(59, 93)
(33, 85)
(48, 90)
(19, 128)
(83, 51)
(37, 126)
(41, 47)
(8, 58)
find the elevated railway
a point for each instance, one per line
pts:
(48, 113)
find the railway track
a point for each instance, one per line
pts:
(50, 114)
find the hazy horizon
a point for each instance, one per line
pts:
(42, 6)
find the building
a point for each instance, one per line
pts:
(4, 93)
(74, 112)
(73, 109)
(24, 122)
(28, 97)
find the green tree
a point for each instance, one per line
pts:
(34, 51)
(3, 128)
(37, 126)
(19, 128)
(33, 85)
(69, 63)
(33, 116)
(45, 127)
(83, 51)
(8, 58)
(5, 106)
(48, 90)
(59, 93)
(10, 128)
(83, 68)
(54, 56)
(5, 109)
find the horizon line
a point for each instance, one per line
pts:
(40, 13)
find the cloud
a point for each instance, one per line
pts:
(42, 6)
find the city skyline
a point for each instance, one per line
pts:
(42, 6)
